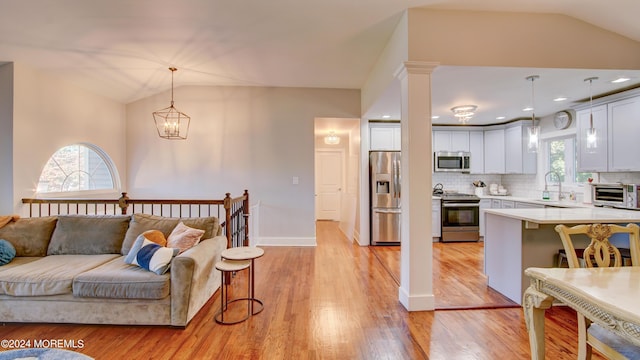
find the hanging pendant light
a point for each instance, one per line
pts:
(534, 131)
(171, 123)
(591, 135)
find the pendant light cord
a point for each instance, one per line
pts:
(172, 71)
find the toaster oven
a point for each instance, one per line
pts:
(623, 196)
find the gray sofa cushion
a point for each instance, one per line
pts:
(118, 280)
(89, 234)
(30, 236)
(143, 222)
(50, 275)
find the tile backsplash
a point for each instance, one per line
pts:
(463, 182)
(526, 186)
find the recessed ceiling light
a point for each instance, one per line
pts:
(528, 108)
(435, 117)
(386, 116)
(560, 98)
(620, 80)
(500, 118)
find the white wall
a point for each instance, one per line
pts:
(6, 138)
(49, 113)
(254, 138)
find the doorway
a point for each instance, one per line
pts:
(337, 172)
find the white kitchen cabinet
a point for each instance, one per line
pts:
(527, 205)
(476, 147)
(484, 204)
(597, 161)
(494, 146)
(446, 140)
(436, 220)
(384, 137)
(518, 160)
(496, 204)
(623, 127)
(508, 204)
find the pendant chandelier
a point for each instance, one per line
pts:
(171, 123)
(534, 131)
(592, 138)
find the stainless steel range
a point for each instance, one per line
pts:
(460, 217)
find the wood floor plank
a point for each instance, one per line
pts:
(334, 301)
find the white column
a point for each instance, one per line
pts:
(416, 254)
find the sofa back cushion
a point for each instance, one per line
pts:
(29, 236)
(89, 234)
(143, 222)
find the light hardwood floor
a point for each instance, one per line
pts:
(334, 301)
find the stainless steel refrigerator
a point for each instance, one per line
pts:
(384, 180)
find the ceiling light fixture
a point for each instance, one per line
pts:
(464, 113)
(592, 136)
(171, 123)
(560, 98)
(332, 139)
(534, 131)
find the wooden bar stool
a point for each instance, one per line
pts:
(230, 266)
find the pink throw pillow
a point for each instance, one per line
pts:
(183, 237)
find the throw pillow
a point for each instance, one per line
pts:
(150, 256)
(156, 236)
(7, 252)
(184, 237)
(143, 222)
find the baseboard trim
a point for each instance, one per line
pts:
(286, 241)
(416, 302)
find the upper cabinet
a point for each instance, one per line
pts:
(384, 136)
(592, 161)
(518, 160)
(494, 146)
(617, 127)
(476, 147)
(622, 137)
(445, 140)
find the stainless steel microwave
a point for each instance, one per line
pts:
(451, 161)
(623, 196)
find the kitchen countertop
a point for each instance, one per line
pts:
(554, 203)
(569, 215)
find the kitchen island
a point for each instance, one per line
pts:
(516, 239)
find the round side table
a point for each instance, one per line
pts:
(247, 253)
(226, 266)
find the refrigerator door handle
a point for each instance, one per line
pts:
(396, 177)
(387, 211)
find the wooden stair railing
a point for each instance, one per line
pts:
(234, 221)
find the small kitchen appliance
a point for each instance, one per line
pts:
(623, 196)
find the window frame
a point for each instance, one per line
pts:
(106, 159)
(574, 168)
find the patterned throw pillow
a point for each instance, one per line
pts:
(150, 256)
(184, 237)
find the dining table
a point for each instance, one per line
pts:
(606, 296)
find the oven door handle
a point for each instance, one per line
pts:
(394, 211)
(460, 205)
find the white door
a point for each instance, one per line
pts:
(328, 184)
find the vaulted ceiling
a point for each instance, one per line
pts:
(122, 49)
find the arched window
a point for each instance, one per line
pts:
(78, 168)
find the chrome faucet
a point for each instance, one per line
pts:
(560, 196)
